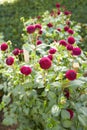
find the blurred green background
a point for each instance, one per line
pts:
(10, 13)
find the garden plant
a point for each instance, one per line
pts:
(10, 14)
(45, 82)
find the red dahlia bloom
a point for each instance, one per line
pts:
(50, 25)
(71, 75)
(63, 42)
(57, 5)
(66, 28)
(39, 42)
(45, 63)
(58, 12)
(71, 40)
(52, 51)
(10, 60)
(50, 57)
(38, 17)
(76, 51)
(38, 26)
(26, 70)
(31, 29)
(4, 46)
(16, 51)
(71, 113)
(67, 12)
(58, 29)
(69, 47)
(70, 31)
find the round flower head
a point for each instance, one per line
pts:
(67, 12)
(26, 70)
(71, 75)
(66, 28)
(10, 60)
(71, 113)
(45, 63)
(57, 5)
(58, 29)
(4, 46)
(58, 12)
(70, 31)
(39, 42)
(63, 42)
(52, 51)
(31, 29)
(38, 17)
(69, 47)
(16, 51)
(76, 51)
(71, 40)
(50, 57)
(38, 26)
(50, 25)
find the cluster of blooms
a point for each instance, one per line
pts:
(76, 51)
(46, 61)
(32, 28)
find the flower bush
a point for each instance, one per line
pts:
(34, 8)
(46, 88)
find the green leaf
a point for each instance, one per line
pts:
(83, 110)
(83, 120)
(6, 99)
(67, 123)
(26, 110)
(10, 119)
(28, 47)
(76, 83)
(1, 86)
(57, 128)
(56, 84)
(83, 79)
(65, 114)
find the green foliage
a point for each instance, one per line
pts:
(10, 14)
(38, 101)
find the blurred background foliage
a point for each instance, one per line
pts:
(10, 13)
